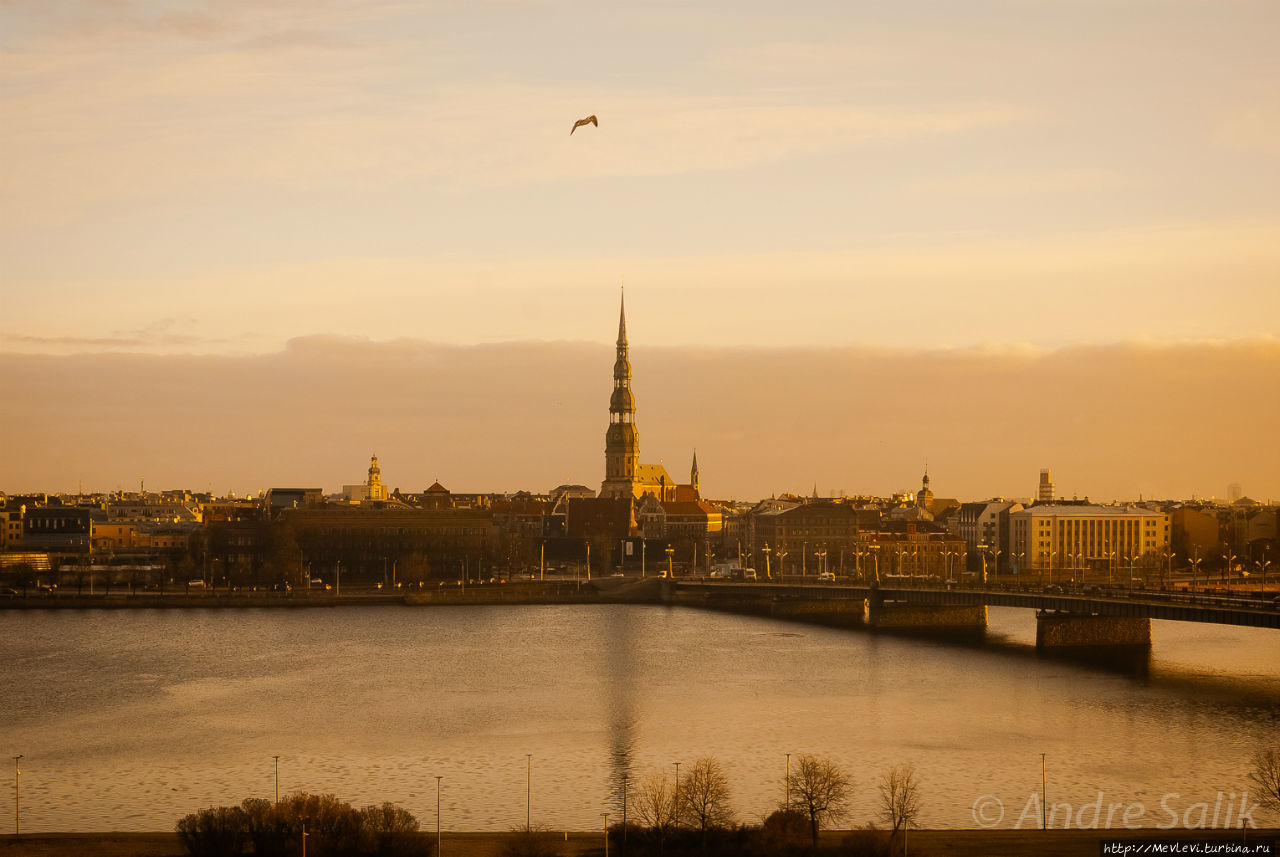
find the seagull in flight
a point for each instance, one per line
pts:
(590, 120)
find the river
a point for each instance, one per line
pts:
(129, 719)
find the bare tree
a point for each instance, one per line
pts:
(900, 799)
(1266, 776)
(820, 790)
(655, 805)
(704, 797)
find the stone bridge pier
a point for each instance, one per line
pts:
(1083, 631)
(925, 618)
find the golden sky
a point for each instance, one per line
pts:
(221, 178)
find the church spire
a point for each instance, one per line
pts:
(622, 320)
(622, 444)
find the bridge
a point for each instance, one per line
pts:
(1095, 618)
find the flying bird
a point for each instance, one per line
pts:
(590, 120)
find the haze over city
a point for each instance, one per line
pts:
(250, 245)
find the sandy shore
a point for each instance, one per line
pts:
(925, 843)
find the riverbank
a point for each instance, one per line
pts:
(923, 843)
(605, 591)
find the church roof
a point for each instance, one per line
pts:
(652, 474)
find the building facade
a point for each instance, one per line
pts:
(1116, 540)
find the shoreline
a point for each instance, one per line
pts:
(955, 843)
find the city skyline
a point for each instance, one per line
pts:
(528, 416)
(856, 238)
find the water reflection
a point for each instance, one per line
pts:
(621, 679)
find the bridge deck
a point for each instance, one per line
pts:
(1178, 607)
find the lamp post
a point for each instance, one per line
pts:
(787, 805)
(606, 833)
(675, 806)
(671, 572)
(767, 550)
(624, 817)
(438, 779)
(277, 758)
(304, 836)
(1044, 798)
(17, 776)
(528, 818)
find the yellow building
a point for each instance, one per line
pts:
(1117, 540)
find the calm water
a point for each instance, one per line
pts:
(130, 719)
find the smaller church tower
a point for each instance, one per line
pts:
(693, 476)
(374, 489)
(924, 499)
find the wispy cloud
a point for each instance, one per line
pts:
(1078, 180)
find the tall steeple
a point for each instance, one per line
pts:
(621, 441)
(693, 475)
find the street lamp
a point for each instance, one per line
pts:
(675, 819)
(624, 817)
(606, 833)
(528, 820)
(17, 774)
(788, 782)
(277, 758)
(438, 779)
(767, 550)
